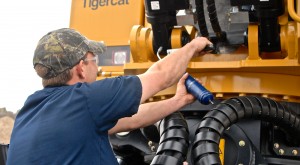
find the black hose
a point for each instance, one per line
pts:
(3, 153)
(201, 18)
(205, 148)
(174, 141)
(213, 17)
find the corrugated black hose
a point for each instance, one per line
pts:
(213, 17)
(174, 141)
(201, 18)
(205, 148)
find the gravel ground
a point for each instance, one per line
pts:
(6, 126)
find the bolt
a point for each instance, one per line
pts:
(281, 151)
(240, 164)
(150, 143)
(295, 152)
(242, 143)
(276, 145)
(153, 148)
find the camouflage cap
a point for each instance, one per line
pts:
(62, 49)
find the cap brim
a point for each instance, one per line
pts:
(97, 47)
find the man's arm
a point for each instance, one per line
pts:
(150, 113)
(166, 72)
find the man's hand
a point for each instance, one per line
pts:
(200, 43)
(181, 92)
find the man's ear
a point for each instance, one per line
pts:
(80, 70)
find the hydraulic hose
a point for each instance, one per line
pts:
(213, 17)
(174, 141)
(205, 148)
(201, 18)
(3, 153)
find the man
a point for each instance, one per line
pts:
(68, 121)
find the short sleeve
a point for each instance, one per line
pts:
(110, 99)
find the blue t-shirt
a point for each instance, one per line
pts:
(69, 124)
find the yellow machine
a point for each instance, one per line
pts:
(253, 73)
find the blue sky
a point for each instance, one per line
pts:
(22, 24)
